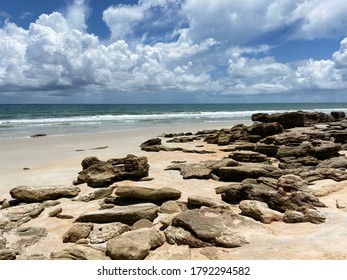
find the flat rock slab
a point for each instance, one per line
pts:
(239, 173)
(125, 214)
(15, 216)
(147, 193)
(216, 226)
(102, 233)
(79, 252)
(42, 193)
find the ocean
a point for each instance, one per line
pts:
(22, 121)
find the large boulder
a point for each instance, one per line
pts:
(97, 173)
(150, 194)
(134, 245)
(42, 193)
(287, 119)
(265, 129)
(124, 214)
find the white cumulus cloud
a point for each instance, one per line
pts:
(199, 46)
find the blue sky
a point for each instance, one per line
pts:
(173, 51)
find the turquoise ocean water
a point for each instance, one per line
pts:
(21, 121)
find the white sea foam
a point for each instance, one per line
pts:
(127, 118)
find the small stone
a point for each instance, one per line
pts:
(55, 212)
(64, 216)
(76, 232)
(169, 207)
(143, 223)
(7, 254)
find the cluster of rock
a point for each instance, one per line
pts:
(268, 167)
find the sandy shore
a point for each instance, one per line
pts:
(56, 161)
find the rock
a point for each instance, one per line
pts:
(328, 189)
(287, 119)
(124, 214)
(143, 223)
(76, 232)
(291, 182)
(38, 135)
(325, 149)
(26, 237)
(180, 236)
(215, 226)
(203, 170)
(338, 115)
(223, 139)
(34, 257)
(170, 252)
(267, 149)
(300, 151)
(134, 245)
(317, 117)
(2, 241)
(291, 162)
(339, 136)
(268, 181)
(336, 162)
(239, 173)
(64, 216)
(341, 205)
(97, 173)
(42, 193)
(103, 233)
(147, 193)
(7, 254)
(259, 211)
(291, 139)
(278, 200)
(152, 145)
(314, 216)
(18, 215)
(195, 171)
(169, 207)
(294, 217)
(97, 194)
(265, 129)
(198, 201)
(79, 252)
(248, 156)
(55, 212)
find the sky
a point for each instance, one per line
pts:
(173, 51)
